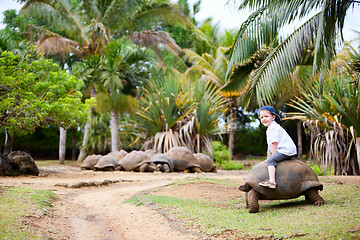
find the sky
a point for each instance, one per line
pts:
(225, 12)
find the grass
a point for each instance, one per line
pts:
(337, 219)
(47, 163)
(16, 203)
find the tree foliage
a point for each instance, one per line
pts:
(35, 93)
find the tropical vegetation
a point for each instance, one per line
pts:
(333, 118)
(297, 65)
(36, 93)
(159, 78)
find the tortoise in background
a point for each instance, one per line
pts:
(23, 162)
(163, 162)
(90, 162)
(184, 160)
(206, 163)
(137, 161)
(293, 179)
(106, 163)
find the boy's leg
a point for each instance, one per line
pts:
(272, 170)
(271, 163)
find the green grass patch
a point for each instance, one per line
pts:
(16, 203)
(337, 219)
(47, 163)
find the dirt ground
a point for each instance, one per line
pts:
(91, 204)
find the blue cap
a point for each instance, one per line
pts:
(273, 111)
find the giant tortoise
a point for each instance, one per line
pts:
(90, 162)
(184, 160)
(293, 179)
(163, 162)
(137, 161)
(206, 163)
(106, 163)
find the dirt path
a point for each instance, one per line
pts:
(100, 212)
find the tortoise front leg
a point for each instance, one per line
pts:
(314, 197)
(143, 167)
(166, 168)
(247, 200)
(196, 170)
(252, 199)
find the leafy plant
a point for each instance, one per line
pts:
(221, 153)
(36, 93)
(232, 165)
(331, 111)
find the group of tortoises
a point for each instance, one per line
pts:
(176, 159)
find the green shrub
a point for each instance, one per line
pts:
(232, 165)
(221, 153)
(320, 171)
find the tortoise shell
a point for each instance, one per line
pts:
(133, 160)
(90, 162)
(206, 163)
(293, 178)
(106, 163)
(163, 159)
(183, 159)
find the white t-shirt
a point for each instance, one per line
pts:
(275, 133)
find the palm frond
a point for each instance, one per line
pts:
(63, 47)
(281, 62)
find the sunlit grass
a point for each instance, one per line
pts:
(16, 203)
(337, 219)
(47, 163)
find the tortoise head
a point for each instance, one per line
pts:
(245, 187)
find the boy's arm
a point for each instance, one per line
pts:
(272, 150)
(273, 147)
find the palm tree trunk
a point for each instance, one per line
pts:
(198, 142)
(62, 145)
(73, 144)
(231, 131)
(114, 125)
(9, 140)
(299, 138)
(83, 150)
(357, 144)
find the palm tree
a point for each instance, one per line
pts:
(318, 32)
(124, 66)
(179, 112)
(212, 69)
(84, 27)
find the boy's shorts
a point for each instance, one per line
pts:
(274, 159)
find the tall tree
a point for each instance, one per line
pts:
(35, 93)
(85, 27)
(123, 67)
